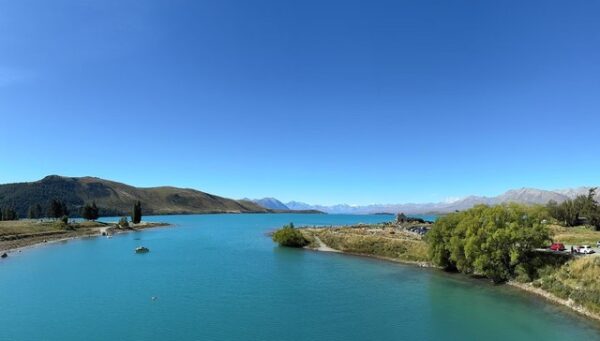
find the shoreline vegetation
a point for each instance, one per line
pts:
(17, 235)
(506, 244)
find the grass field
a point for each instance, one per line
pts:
(20, 233)
(28, 226)
(575, 235)
(373, 240)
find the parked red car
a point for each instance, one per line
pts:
(557, 247)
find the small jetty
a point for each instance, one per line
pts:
(142, 249)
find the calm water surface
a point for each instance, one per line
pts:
(218, 277)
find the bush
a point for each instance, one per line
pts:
(289, 236)
(63, 223)
(123, 223)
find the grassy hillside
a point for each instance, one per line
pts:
(115, 198)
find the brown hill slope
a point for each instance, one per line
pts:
(114, 198)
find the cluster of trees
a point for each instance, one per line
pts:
(8, 214)
(57, 209)
(489, 241)
(90, 212)
(35, 212)
(584, 209)
(289, 236)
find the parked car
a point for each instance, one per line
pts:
(557, 247)
(585, 249)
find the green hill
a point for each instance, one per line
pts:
(115, 198)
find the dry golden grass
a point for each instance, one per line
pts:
(388, 243)
(26, 227)
(575, 235)
(16, 234)
(576, 280)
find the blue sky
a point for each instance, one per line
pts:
(318, 101)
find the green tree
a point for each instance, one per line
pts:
(489, 241)
(136, 216)
(95, 212)
(90, 212)
(289, 236)
(39, 212)
(591, 209)
(31, 212)
(9, 214)
(57, 208)
(34, 211)
(582, 209)
(86, 212)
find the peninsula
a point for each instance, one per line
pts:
(534, 248)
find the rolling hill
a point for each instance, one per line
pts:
(114, 198)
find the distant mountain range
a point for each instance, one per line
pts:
(114, 198)
(522, 196)
(270, 203)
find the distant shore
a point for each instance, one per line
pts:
(40, 232)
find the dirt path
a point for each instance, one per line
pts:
(323, 247)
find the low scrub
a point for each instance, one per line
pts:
(289, 236)
(576, 280)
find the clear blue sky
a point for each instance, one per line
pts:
(318, 101)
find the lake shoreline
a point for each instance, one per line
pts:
(26, 243)
(530, 289)
(419, 264)
(527, 288)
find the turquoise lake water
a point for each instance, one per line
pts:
(219, 277)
